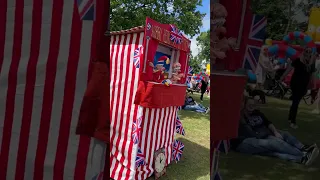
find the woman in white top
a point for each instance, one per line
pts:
(264, 65)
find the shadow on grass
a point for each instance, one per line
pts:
(264, 168)
(193, 165)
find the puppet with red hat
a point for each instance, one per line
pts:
(158, 71)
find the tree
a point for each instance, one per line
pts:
(126, 14)
(195, 63)
(280, 15)
(203, 43)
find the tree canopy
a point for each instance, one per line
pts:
(126, 14)
(282, 15)
(195, 63)
(203, 43)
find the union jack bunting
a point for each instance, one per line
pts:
(217, 176)
(87, 9)
(175, 30)
(190, 72)
(98, 176)
(223, 145)
(179, 127)
(175, 35)
(177, 150)
(137, 56)
(215, 161)
(255, 39)
(136, 128)
(140, 158)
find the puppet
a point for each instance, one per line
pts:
(219, 43)
(176, 75)
(159, 69)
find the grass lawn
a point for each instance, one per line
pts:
(235, 166)
(195, 161)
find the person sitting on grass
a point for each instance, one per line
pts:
(191, 105)
(258, 136)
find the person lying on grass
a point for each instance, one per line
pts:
(258, 136)
(191, 105)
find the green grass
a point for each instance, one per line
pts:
(195, 161)
(235, 166)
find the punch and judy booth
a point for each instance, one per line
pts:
(148, 73)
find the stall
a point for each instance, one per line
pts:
(148, 68)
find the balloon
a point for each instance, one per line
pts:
(299, 35)
(268, 42)
(283, 52)
(251, 76)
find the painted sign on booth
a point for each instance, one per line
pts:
(168, 34)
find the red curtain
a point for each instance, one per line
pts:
(233, 61)
(150, 49)
(225, 102)
(94, 119)
(183, 60)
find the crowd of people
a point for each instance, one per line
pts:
(203, 86)
(257, 134)
(304, 75)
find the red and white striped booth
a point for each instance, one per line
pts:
(143, 113)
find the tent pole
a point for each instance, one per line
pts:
(243, 13)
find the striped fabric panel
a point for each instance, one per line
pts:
(158, 129)
(123, 85)
(45, 51)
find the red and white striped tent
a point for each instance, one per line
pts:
(129, 82)
(45, 52)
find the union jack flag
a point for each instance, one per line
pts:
(136, 130)
(190, 72)
(177, 150)
(87, 9)
(140, 159)
(98, 176)
(179, 127)
(179, 108)
(175, 35)
(256, 37)
(175, 30)
(137, 56)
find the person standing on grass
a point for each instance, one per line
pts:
(263, 67)
(300, 80)
(204, 85)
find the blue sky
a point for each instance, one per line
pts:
(205, 8)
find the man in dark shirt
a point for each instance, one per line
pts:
(204, 85)
(303, 70)
(257, 135)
